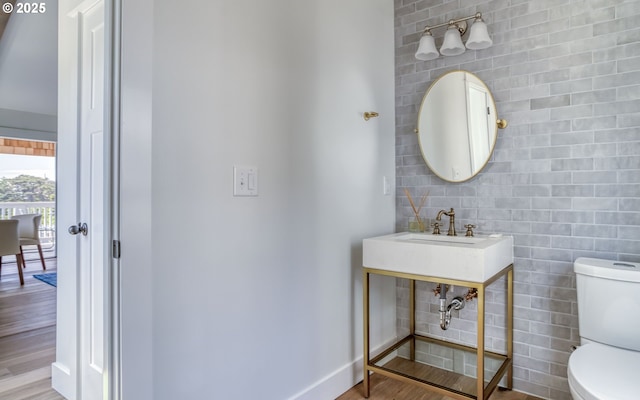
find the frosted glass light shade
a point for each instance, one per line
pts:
(479, 36)
(452, 45)
(427, 48)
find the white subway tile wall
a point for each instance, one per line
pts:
(564, 179)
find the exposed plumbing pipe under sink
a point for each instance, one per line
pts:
(445, 312)
(444, 324)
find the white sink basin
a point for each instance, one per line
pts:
(472, 259)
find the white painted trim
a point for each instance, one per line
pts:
(339, 381)
(112, 121)
(62, 375)
(81, 7)
(64, 371)
(135, 142)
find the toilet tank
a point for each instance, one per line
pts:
(609, 301)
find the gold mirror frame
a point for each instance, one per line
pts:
(456, 149)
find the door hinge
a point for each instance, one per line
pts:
(116, 249)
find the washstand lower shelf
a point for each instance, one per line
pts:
(458, 362)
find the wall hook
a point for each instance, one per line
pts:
(370, 114)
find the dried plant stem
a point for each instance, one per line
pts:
(416, 211)
(423, 200)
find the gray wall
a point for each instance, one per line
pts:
(272, 292)
(564, 179)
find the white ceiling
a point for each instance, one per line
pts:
(29, 62)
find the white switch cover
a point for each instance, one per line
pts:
(245, 180)
(386, 186)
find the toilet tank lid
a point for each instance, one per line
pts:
(608, 269)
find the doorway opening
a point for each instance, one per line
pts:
(28, 312)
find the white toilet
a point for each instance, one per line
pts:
(605, 366)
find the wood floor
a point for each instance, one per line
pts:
(383, 388)
(27, 332)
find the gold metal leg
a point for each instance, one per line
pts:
(510, 327)
(412, 318)
(365, 330)
(482, 392)
(480, 349)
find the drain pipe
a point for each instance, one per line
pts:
(444, 323)
(445, 314)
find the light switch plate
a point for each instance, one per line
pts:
(245, 180)
(386, 186)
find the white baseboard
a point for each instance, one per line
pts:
(339, 381)
(62, 382)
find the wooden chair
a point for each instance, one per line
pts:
(28, 233)
(10, 244)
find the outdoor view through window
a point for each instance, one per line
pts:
(28, 186)
(27, 178)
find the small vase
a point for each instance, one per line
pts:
(416, 224)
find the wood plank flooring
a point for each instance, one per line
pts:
(27, 332)
(383, 388)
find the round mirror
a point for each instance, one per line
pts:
(457, 126)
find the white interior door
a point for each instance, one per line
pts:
(83, 203)
(92, 201)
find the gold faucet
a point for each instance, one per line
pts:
(452, 220)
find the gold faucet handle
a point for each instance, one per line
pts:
(436, 228)
(469, 229)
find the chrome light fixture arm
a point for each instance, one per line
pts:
(460, 23)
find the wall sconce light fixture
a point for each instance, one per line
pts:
(452, 44)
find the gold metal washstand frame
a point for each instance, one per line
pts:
(482, 392)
